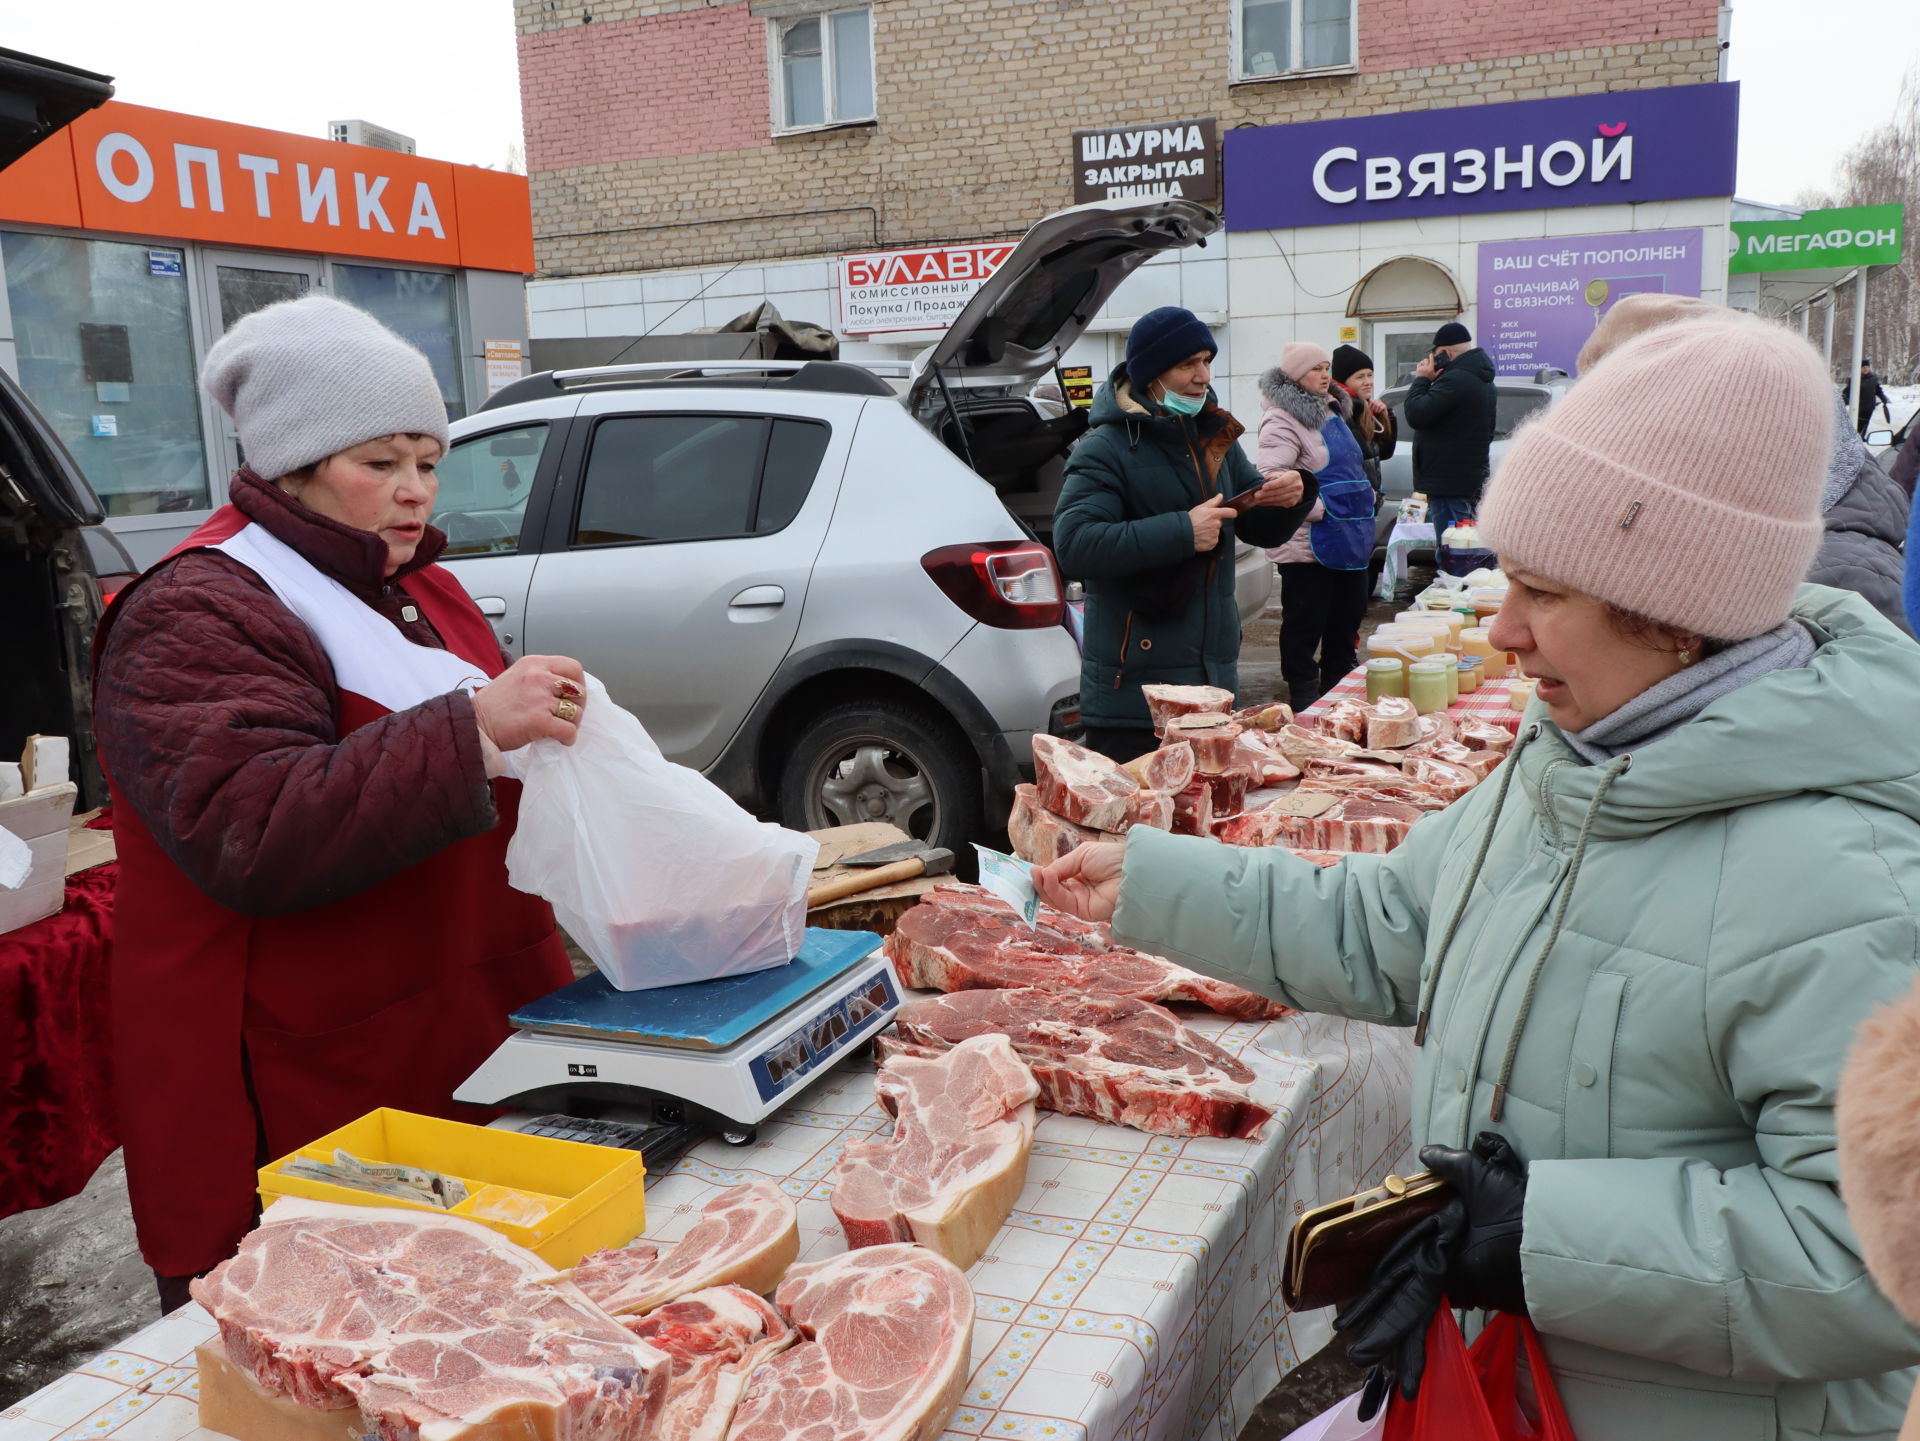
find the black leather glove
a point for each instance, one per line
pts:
(1491, 1183)
(1386, 1327)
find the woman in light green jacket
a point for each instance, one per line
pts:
(1638, 952)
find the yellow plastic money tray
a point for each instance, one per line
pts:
(594, 1194)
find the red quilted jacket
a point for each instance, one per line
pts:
(217, 717)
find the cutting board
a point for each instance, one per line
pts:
(874, 910)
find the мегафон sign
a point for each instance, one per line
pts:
(1617, 148)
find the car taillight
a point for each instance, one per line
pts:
(1012, 584)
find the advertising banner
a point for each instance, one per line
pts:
(1541, 299)
(1819, 240)
(913, 289)
(1180, 159)
(1616, 148)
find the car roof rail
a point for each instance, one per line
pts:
(835, 377)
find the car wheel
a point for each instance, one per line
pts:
(882, 761)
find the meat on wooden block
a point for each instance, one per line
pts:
(746, 1236)
(1127, 1062)
(429, 1324)
(949, 1174)
(1392, 722)
(1212, 738)
(952, 940)
(1168, 769)
(713, 1340)
(1164, 702)
(1345, 720)
(887, 1337)
(1260, 755)
(1080, 785)
(1193, 810)
(1038, 835)
(1228, 789)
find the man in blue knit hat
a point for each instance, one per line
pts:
(1153, 498)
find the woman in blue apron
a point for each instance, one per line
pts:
(1323, 569)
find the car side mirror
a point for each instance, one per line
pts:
(1879, 438)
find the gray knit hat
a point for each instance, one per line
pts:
(308, 378)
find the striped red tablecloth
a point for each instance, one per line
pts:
(1489, 703)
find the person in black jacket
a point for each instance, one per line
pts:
(1154, 498)
(1450, 407)
(1368, 418)
(1872, 393)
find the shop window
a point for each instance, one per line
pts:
(104, 338)
(1274, 38)
(484, 484)
(823, 69)
(418, 306)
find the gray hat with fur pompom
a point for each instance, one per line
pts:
(308, 378)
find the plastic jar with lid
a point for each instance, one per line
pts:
(1477, 640)
(1487, 603)
(1470, 668)
(1386, 675)
(1427, 684)
(1401, 645)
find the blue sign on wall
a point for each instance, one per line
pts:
(1617, 148)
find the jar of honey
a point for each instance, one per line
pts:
(1427, 685)
(1470, 668)
(1386, 675)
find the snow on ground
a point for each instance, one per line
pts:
(1905, 400)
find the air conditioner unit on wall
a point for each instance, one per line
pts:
(365, 132)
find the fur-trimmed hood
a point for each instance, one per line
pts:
(1283, 392)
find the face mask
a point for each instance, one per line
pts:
(1178, 404)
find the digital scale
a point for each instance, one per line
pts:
(719, 1056)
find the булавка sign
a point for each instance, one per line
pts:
(1622, 147)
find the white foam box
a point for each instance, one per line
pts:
(39, 818)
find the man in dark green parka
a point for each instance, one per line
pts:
(1147, 518)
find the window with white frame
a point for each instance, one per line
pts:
(823, 69)
(1290, 37)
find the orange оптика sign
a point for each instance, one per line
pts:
(153, 172)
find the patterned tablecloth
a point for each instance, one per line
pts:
(1134, 1295)
(1489, 703)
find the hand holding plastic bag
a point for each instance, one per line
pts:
(651, 868)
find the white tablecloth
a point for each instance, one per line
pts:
(1406, 537)
(1134, 1295)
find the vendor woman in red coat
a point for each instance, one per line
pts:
(304, 720)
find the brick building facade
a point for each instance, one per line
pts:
(651, 142)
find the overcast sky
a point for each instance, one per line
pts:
(1816, 74)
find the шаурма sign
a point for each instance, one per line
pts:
(1618, 148)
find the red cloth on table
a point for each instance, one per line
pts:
(1488, 703)
(56, 1104)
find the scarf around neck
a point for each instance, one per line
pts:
(1662, 709)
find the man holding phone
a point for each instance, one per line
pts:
(1154, 497)
(1450, 407)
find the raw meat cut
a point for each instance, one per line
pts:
(1346, 720)
(746, 1236)
(1228, 789)
(1193, 810)
(1150, 808)
(1269, 717)
(1481, 763)
(949, 1174)
(1110, 1057)
(1354, 770)
(1361, 822)
(1168, 769)
(888, 1334)
(1250, 828)
(1393, 788)
(714, 1340)
(1392, 721)
(432, 1325)
(951, 941)
(1164, 702)
(1437, 726)
(1300, 745)
(1212, 738)
(1038, 835)
(1451, 781)
(1080, 785)
(1480, 735)
(1258, 754)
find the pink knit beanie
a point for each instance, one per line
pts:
(1297, 357)
(1704, 518)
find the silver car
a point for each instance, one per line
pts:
(806, 584)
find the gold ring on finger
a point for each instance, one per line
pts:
(567, 710)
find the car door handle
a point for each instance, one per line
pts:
(491, 605)
(760, 595)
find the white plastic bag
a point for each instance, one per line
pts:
(657, 874)
(1342, 1423)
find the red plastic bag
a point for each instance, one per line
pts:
(1473, 1395)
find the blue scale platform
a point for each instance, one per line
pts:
(706, 1015)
